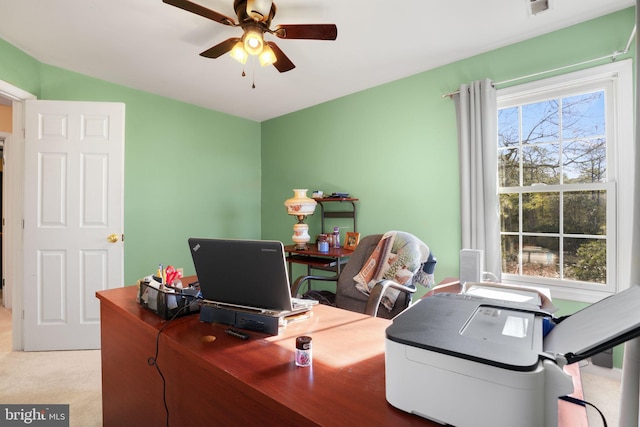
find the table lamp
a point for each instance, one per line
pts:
(300, 206)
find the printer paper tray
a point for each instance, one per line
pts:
(598, 327)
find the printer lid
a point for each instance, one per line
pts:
(499, 333)
(597, 327)
(510, 335)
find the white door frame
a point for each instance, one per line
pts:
(5, 139)
(13, 255)
(7, 258)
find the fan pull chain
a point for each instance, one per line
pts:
(253, 72)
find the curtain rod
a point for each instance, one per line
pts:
(613, 56)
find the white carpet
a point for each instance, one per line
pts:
(601, 388)
(51, 377)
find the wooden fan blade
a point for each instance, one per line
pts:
(283, 63)
(307, 31)
(221, 48)
(202, 11)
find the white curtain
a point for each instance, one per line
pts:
(476, 111)
(630, 390)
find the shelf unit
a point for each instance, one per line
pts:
(324, 214)
(336, 257)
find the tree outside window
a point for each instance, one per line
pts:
(552, 174)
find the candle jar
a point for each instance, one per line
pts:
(323, 245)
(303, 351)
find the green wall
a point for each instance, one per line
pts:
(19, 69)
(395, 146)
(189, 171)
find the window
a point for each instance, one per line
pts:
(565, 160)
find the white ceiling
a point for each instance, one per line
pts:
(154, 47)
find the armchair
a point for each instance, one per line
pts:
(350, 298)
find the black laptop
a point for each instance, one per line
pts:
(245, 274)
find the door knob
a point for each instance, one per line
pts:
(112, 238)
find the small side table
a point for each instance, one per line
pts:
(312, 258)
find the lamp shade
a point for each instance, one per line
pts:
(267, 57)
(258, 9)
(253, 42)
(300, 204)
(238, 53)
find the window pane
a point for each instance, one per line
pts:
(585, 260)
(541, 212)
(553, 141)
(509, 213)
(508, 168)
(540, 164)
(584, 161)
(540, 122)
(510, 251)
(540, 256)
(585, 212)
(583, 115)
(508, 129)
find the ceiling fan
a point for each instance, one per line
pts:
(254, 17)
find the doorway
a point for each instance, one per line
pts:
(2, 139)
(6, 107)
(12, 246)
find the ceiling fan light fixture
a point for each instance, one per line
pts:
(253, 42)
(259, 9)
(254, 18)
(238, 53)
(267, 57)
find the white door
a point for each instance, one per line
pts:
(73, 220)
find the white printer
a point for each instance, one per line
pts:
(465, 360)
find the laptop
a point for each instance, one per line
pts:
(246, 275)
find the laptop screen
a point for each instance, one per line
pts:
(246, 273)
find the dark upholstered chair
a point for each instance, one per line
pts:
(350, 298)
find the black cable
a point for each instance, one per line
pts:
(153, 360)
(584, 403)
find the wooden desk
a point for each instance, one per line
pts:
(233, 382)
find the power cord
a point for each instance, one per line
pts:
(581, 402)
(153, 360)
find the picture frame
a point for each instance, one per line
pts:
(351, 240)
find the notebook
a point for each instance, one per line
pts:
(245, 274)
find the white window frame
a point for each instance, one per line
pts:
(620, 169)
